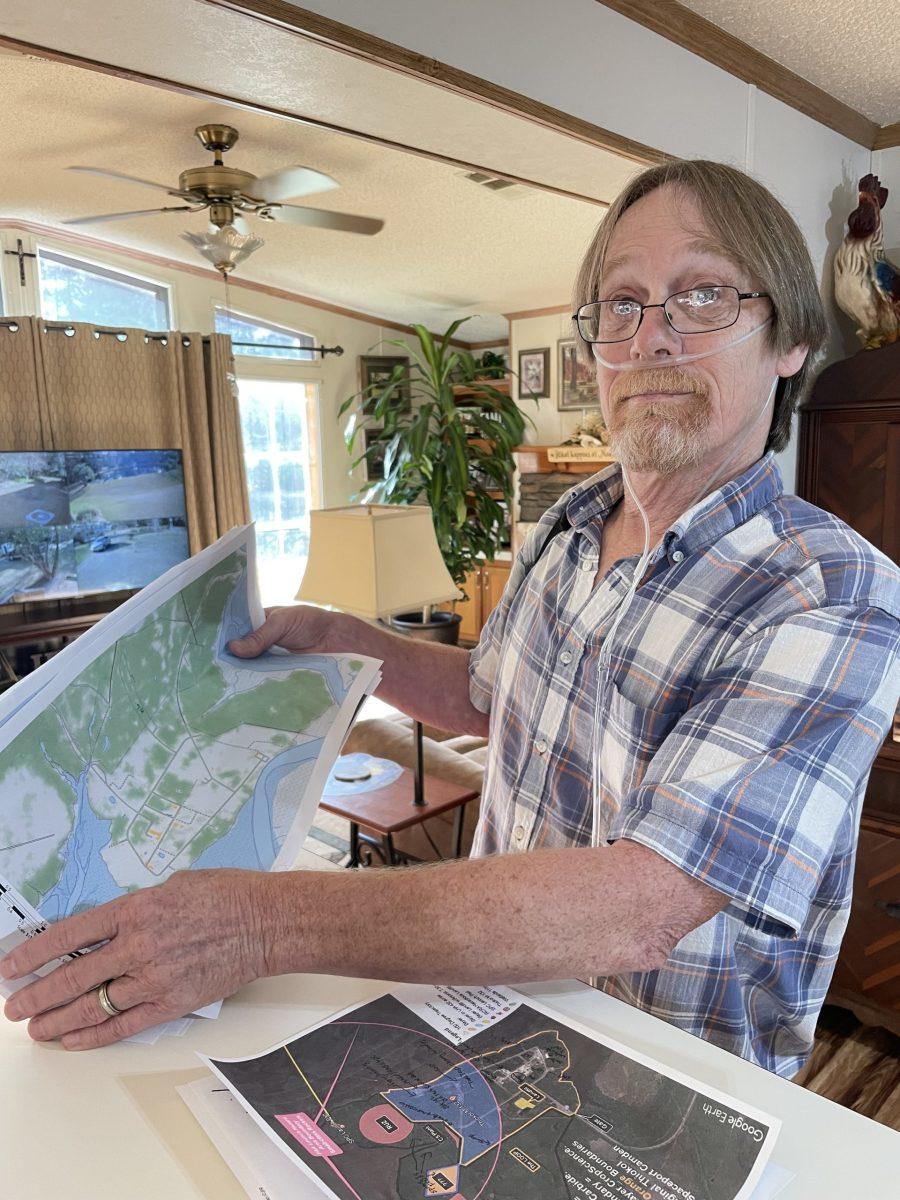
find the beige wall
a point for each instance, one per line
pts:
(537, 333)
(193, 300)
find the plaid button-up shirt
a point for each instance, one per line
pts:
(731, 724)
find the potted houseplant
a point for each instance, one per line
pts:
(452, 451)
(490, 366)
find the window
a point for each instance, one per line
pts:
(72, 290)
(265, 338)
(278, 426)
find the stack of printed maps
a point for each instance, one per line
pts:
(475, 1094)
(145, 748)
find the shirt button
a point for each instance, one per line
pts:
(565, 657)
(541, 747)
(519, 833)
(677, 556)
(587, 564)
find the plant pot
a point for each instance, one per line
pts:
(443, 626)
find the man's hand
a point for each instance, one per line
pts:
(169, 950)
(299, 628)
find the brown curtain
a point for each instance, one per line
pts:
(23, 416)
(92, 388)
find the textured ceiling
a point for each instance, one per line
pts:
(848, 48)
(449, 247)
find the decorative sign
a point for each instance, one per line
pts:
(578, 454)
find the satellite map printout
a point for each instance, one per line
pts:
(145, 747)
(376, 1104)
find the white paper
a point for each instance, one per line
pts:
(255, 1162)
(458, 1013)
(109, 764)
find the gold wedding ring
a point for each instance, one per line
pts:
(105, 1003)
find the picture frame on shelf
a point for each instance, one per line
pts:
(374, 467)
(377, 369)
(577, 382)
(534, 374)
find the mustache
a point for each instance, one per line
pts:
(657, 379)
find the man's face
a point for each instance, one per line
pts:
(668, 418)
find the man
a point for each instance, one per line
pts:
(711, 733)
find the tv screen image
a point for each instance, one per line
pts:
(76, 522)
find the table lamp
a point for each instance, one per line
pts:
(374, 561)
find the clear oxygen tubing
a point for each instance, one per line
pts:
(718, 476)
(671, 360)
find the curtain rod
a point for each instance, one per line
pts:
(323, 350)
(122, 336)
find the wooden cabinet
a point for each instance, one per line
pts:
(484, 587)
(849, 463)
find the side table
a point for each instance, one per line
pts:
(387, 810)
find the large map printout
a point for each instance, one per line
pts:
(380, 1102)
(145, 747)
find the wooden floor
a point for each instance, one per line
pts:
(853, 1064)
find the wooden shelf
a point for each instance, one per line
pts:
(462, 391)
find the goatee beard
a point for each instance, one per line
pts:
(664, 436)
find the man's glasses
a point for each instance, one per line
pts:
(698, 310)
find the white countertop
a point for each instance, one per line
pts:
(108, 1125)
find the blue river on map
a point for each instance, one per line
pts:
(85, 881)
(236, 623)
(250, 842)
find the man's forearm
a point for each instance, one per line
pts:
(427, 680)
(549, 914)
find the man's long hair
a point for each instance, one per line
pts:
(752, 229)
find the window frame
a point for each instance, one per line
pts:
(164, 291)
(312, 400)
(314, 361)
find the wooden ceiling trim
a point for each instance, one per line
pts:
(185, 89)
(552, 311)
(315, 27)
(693, 32)
(887, 137)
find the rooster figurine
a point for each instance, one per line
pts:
(866, 283)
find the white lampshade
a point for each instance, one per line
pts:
(375, 560)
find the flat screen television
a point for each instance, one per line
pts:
(88, 521)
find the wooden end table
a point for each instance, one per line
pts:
(389, 809)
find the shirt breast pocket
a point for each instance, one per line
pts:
(628, 737)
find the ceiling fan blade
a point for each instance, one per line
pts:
(320, 218)
(161, 187)
(293, 182)
(123, 216)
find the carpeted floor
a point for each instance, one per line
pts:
(852, 1064)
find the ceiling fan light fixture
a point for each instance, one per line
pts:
(224, 246)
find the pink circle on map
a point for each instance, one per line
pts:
(384, 1124)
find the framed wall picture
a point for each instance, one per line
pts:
(377, 369)
(577, 382)
(534, 374)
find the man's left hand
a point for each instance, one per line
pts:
(167, 951)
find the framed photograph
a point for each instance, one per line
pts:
(378, 368)
(577, 382)
(534, 374)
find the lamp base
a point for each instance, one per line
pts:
(443, 626)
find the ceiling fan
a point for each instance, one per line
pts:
(230, 194)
